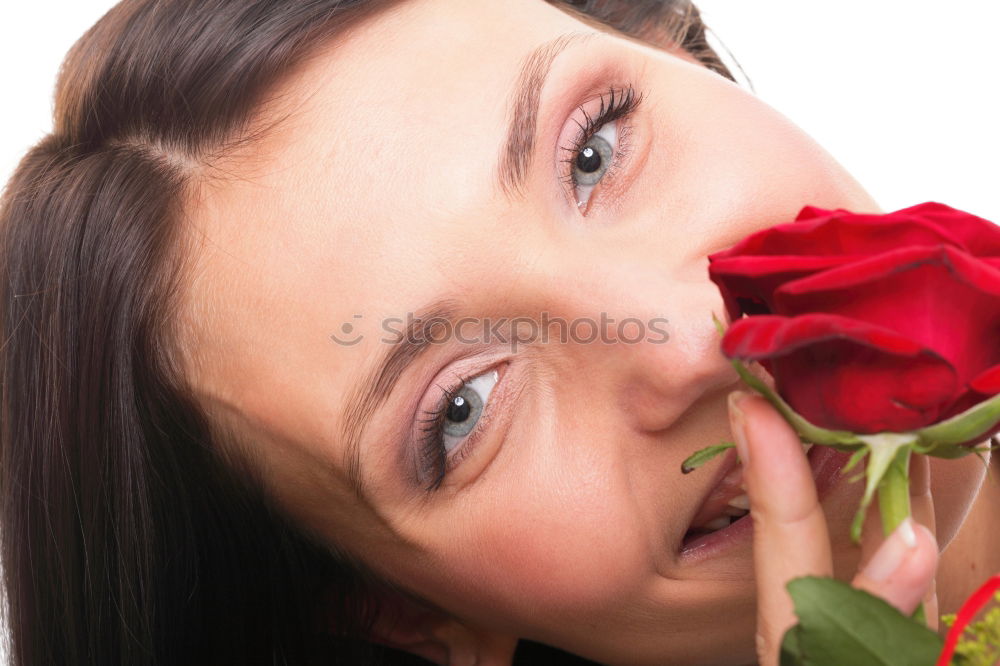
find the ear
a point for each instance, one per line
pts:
(405, 623)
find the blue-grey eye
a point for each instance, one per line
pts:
(593, 160)
(466, 407)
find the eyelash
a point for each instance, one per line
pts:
(433, 457)
(621, 104)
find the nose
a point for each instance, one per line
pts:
(659, 351)
(660, 379)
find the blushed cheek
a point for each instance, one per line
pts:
(562, 553)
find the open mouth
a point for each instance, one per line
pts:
(726, 504)
(725, 513)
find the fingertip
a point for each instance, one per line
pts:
(784, 486)
(921, 550)
(915, 575)
(902, 571)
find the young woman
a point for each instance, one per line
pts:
(267, 393)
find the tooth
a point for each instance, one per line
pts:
(740, 501)
(717, 523)
(734, 512)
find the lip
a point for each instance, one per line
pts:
(825, 462)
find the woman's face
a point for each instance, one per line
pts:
(430, 167)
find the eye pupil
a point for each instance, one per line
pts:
(459, 409)
(589, 160)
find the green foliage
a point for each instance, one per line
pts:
(979, 644)
(840, 624)
(699, 458)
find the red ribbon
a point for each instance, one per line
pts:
(969, 610)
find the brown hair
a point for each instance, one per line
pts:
(127, 537)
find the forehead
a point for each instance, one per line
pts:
(395, 124)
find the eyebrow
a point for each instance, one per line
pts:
(373, 390)
(515, 156)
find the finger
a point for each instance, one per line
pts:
(872, 535)
(790, 535)
(922, 508)
(902, 568)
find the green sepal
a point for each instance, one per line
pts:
(854, 460)
(699, 458)
(965, 427)
(883, 450)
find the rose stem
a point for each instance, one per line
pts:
(894, 502)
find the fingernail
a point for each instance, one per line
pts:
(737, 422)
(892, 552)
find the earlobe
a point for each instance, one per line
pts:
(415, 627)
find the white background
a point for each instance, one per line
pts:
(903, 93)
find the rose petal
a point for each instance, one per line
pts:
(747, 283)
(940, 297)
(979, 236)
(748, 273)
(810, 212)
(840, 373)
(988, 382)
(840, 234)
(966, 400)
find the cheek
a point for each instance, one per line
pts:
(573, 544)
(562, 539)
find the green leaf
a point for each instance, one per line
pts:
(839, 624)
(791, 647)
(699, 458)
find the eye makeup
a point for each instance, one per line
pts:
(616, 107)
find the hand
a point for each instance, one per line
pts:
(790, 533)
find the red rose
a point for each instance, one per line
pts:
(869, 323)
